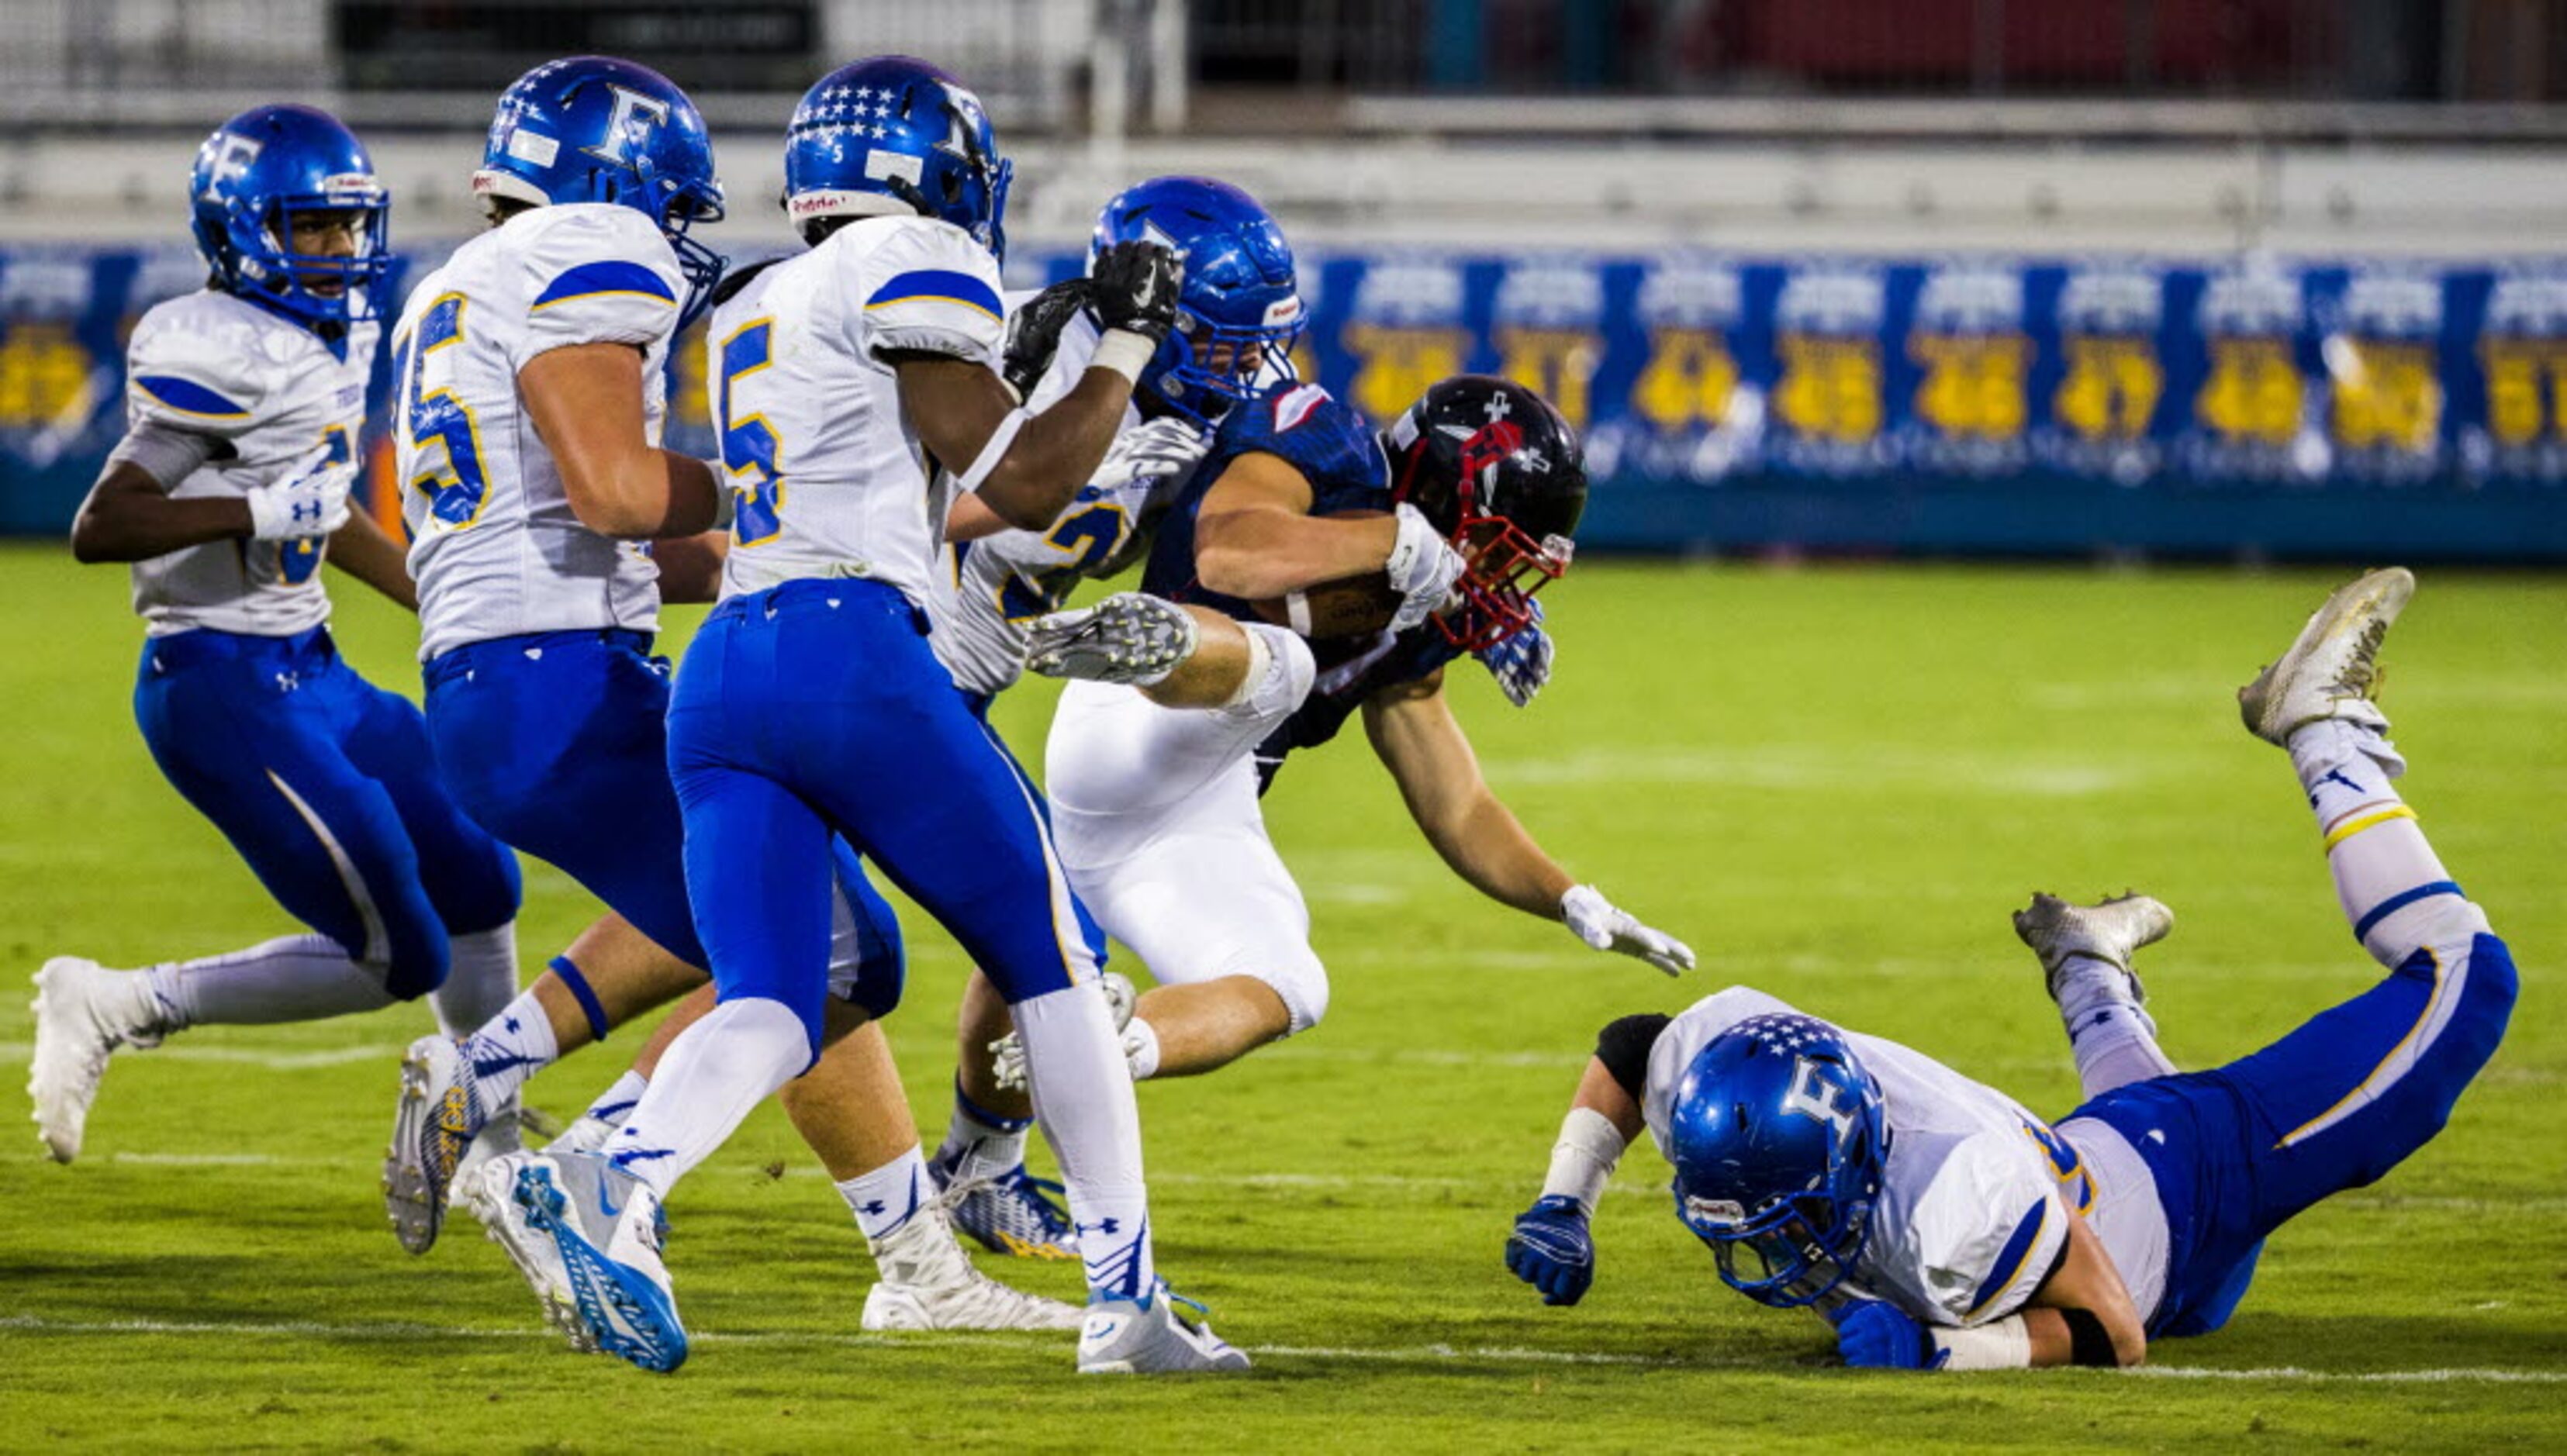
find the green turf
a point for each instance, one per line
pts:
(1834, 782)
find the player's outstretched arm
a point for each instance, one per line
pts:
(2082, 1314)
(586, 401)
(1417, 738)
(366, 552)
(1550, 1247)
(1024, 465)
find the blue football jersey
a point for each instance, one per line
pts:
(1351, 669)
(1309, 429)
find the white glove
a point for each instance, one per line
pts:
(1156, 451)
(311, 501)
(1423, 568)
(1594, 919)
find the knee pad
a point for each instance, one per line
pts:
(1303, 984)
(1280, 671)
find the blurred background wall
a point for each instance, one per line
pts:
(2127, 277)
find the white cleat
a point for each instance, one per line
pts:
(2107, 931)
(434, 1126)
(503, 1132)
(490, 1197)
(83, 1013)
(1133, 1337)
(928, 1284)
(607, 1228)
(2332, 669)
(1008, 1053)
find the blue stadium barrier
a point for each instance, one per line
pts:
(1950, 405)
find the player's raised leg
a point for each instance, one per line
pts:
(2085, 953)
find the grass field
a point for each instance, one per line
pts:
(1835, 783)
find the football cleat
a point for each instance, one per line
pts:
(1149, 1338)
(2332, 669)
(490, 1196)
(2109, 931)
(434, 1126)
(1008, 1053)
(503, 1132)
(607, 1228)
(83, 1013)
(1011, 1212)
(1126, 637)
(928, 1284)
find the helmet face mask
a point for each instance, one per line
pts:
(261, 171)
(1779, 1138)
(1497, 471)
(1239, 311)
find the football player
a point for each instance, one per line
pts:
(244, 402)
(811, 704)
(532, 388)
(1939, 1225)
(1156, 764)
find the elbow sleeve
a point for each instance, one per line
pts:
(1625, 1047)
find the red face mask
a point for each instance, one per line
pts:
(1505, 564)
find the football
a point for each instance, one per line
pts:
(1351, 606)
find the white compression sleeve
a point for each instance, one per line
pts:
(1583, 1158)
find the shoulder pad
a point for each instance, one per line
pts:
(1988, 1229)
(594, 273)
(920, 285)
(204, 364)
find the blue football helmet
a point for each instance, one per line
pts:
(1239, 310)
(892, 135)
(593, 128)
(1779, 1138)
(254, 176)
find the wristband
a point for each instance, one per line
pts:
(993, 453)
(725, 500)
(1588, 1147)
(1125, 353)
(2004, 1344)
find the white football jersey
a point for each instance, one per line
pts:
(495, 547)
(1977, 1192)
(829, 475)
(268, 392)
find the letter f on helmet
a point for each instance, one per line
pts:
(631, 122)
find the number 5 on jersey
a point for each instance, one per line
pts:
(748, 444)
(458, 489)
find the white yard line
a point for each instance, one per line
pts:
(407, 1332)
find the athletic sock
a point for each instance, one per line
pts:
(981, 1143)
(2386, 873)
(711, 1079)
(1082, 1090)
(512, 1046)
(293, 978)
(886, 1199)
(480, 978)
(1141, 1049)
(617, 1103)
(2114, 1041)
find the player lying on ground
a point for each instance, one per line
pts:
(244, 402)
(811, 705)
(1157, 764)
(531, 369)
(1938, 1223)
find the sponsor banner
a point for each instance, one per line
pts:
(1966, 402)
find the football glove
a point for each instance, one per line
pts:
(1126, 637)
(1596, 921)
(1133, 287)
(1423, 566)
(311, 501)
(1521, 663)
(1873, 1336)
(1153, 453)
(1033, 334)
(1551, 1249)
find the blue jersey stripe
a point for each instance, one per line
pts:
(2010, 1259)
(940, 283)
(615, 276)
(2401, 900)
(188, 397)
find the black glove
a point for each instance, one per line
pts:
(1133, 287)
(1033, 334)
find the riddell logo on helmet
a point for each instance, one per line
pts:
(1714, 1211)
